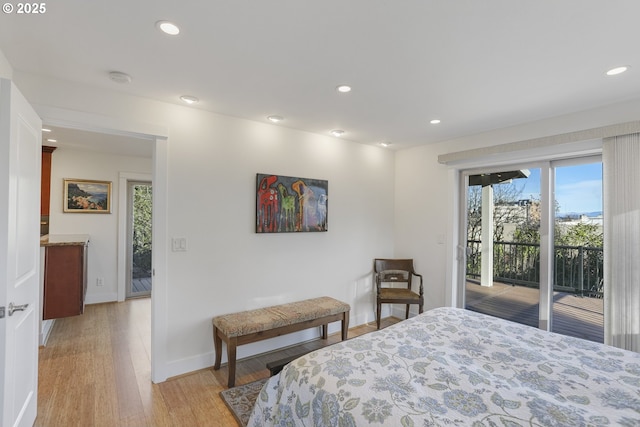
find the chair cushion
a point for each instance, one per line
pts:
(263, 319)
(398, 293)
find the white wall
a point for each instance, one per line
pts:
(103, 228)
(211, 167)
(422, 219)
(228, 267)
(6, 71)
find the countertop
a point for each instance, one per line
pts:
(64, 239)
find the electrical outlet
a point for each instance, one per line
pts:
(100, 281)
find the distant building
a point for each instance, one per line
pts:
(517, 213)
(569, 220)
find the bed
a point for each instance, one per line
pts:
(455, 367)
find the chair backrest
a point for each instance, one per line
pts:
(393, 271)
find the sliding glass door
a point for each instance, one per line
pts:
(503, 244)
(578, 300)
(533, 253)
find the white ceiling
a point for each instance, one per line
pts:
(97, 142)
(476, 65)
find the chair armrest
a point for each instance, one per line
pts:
(421, 287)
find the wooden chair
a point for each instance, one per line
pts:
(396, 271)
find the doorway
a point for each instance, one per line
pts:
(503, 244)
(534, 245)
(139, 239)
(153, 142)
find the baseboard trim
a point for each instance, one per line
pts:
(101, 298)
(45, 332)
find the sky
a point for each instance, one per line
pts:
(578, 188)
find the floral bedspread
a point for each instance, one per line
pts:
(455, 367)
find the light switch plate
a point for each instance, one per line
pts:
(179, 244)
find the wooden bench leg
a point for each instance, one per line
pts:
(231, 357)
(217, 345)
(345, 325)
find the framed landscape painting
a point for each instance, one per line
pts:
(86, 196)
(286, 204)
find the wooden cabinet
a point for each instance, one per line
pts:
(65, 279)
(45, 189)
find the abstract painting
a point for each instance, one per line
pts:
(287, 204)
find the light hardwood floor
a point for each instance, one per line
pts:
(96, 371)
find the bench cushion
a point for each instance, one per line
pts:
(263, 319)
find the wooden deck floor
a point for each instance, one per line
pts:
(142, 284)
(581, 317)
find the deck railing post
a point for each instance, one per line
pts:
(581, 269)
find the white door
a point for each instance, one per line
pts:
(20, 162)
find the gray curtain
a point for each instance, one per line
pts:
(621, 180)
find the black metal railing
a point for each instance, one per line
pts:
(577, 269)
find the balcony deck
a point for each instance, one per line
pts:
(576, 316)
(142, 284)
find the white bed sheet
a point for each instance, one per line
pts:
(455, 367)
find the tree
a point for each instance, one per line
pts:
(580, 234)
(509, 211)
(505, 197)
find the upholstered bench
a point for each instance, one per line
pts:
(255, 325)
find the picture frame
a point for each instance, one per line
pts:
(286, 204)
(86, 196)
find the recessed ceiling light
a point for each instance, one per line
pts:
(337, 132)
(343, 88)
(120, 77)
(52, 140)
(189, 99)
(46, 130)
(435, 121)
(168, 28)
(617, 70)
(385, 144)
(275, 119)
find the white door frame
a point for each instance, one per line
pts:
(158, 135)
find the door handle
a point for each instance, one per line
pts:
(13, 308)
